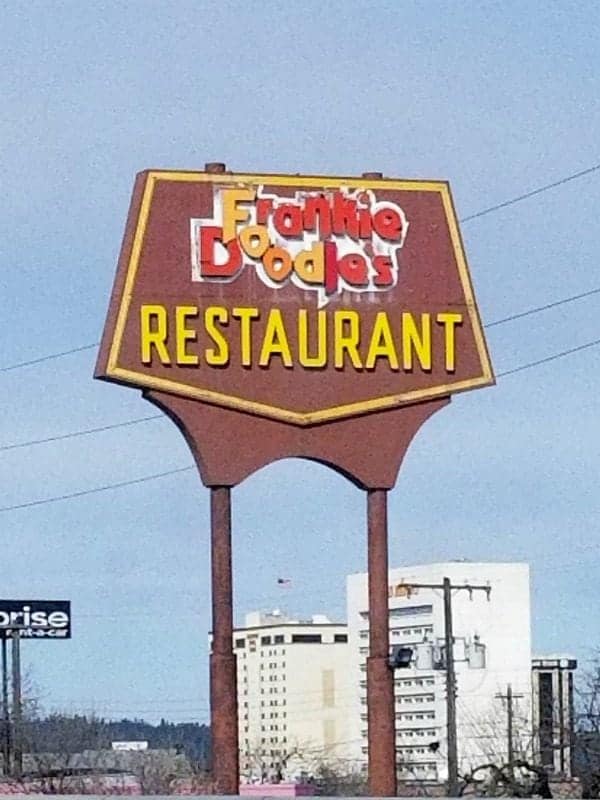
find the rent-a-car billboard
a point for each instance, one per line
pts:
(35, 619)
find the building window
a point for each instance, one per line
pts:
(546, 714)
(239, 643)
(340, 638)
(409, 611)
(306, 638)
(265, 640)
(279, 639)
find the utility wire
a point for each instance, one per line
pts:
(49, 357)
(105, 488)
(483, 212)
(533, 193)
(137, 420)
(529, 312)
(546, 360)
(110, 486)
(85, 432)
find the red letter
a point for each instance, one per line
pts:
(365, 224)
(287, 220)
(388, 224)
(263, 209)
(317, 206)
(383, 267)
(345, 219)
(209, 236)
(331, 273)
(353, 269)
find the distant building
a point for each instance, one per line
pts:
(136, 746)
(293, 693)
(495, 630)
(553, 712)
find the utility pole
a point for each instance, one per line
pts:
(17, 769)
(447, 587)
(509, 697)
(5, 711)
(450, 692)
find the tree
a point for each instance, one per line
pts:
(495, 773)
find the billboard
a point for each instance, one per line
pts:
(36, 619)
(296, 298)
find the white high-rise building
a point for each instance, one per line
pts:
(501, 624)
(293, 693)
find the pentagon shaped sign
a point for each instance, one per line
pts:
(302, 299)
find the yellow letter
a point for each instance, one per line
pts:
(321, 358)
(254, 240)
(382, 343)
(231, 213)
(220, 356)
(245, 315)
(309, 265)
(275, 341)
(347, 343)
(412, 339)
(449, 320)
(183, 335)
(157, 337)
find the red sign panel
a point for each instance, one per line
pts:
(303, 299)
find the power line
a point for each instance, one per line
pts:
(39, 360)
(84, 432)
(546, 360)
(158, 475)
(545, 307)
(573, 176)
(136, 420)
(532, 193)
(105, 488)
(152, 417)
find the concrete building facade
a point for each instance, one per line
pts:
(497, 630)
(293, 693)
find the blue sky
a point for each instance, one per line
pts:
(496, 97)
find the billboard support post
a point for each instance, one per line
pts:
(5, 711)
(223, 677)
(17, 728)
(380, 678)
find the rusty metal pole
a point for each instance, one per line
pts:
(5, 708)
(380, 678)
(223, 677)
(17, 713)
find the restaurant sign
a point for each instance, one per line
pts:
(296, 298)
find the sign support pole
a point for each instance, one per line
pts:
(223, 675)
(380, 678)
(17, 769)
(5, 711)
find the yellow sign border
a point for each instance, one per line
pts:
(275, 412)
